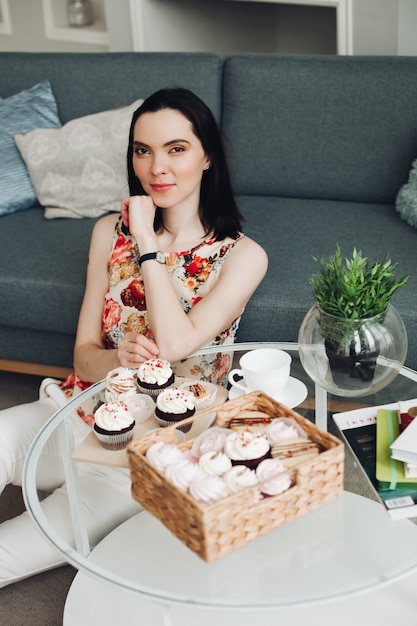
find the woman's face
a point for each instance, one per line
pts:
(168, 158)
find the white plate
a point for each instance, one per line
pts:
(293, 394)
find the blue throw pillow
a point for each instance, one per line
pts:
(25, 111)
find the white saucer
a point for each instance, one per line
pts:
(293, 394)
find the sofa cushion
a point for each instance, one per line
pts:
(44, 289)
(79, 170)
(31, 108)
(330, 127)
(293, 231)
(87, 82)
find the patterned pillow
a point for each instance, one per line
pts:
(32, 108)
(79, 170)
(406, 201)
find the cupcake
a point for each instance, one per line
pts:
(247, 447)
(113, 425)
(174, 405)
(120, 384)
(155, 375)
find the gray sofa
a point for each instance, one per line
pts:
(318, 149)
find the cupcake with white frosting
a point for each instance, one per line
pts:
(155, 375)
(113, 425)
(174, 405)
(247, 447)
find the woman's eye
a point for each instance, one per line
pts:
(140, 151)
(177, 149)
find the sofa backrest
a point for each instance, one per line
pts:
(325, 127)
(86, 83)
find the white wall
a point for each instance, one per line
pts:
(407, 27)
(225, 26)
(375, 29)
(29, 31)
(232, 27)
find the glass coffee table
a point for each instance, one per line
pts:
(336, 552)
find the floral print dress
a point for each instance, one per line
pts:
(193, 274)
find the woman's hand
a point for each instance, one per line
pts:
(138, 214)
(134, 348)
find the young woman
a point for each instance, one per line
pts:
(170, 274)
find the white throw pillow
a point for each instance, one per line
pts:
(79, 170)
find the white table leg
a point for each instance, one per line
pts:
(321, 407)
(161, 614)
(73, 488)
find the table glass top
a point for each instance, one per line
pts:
(351, 541)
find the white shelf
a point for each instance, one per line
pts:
(56, 24)
(5, 21)
(343, 18)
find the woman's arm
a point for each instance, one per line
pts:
(178, 334)
(92, 360)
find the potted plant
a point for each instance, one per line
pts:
(356, 323)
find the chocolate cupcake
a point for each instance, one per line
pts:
(154, 376)
(113, 425)
(247, 447)
(174, 405)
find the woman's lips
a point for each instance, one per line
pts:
(162, 187)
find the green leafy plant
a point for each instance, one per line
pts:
(354, 288)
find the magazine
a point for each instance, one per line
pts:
(358, 428)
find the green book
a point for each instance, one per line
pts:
(389, 472)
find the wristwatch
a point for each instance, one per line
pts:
(153, 256)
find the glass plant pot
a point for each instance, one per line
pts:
(352, 357)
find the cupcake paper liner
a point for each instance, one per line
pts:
(155, 391)
(114, 440)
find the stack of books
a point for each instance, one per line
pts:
(384, 441)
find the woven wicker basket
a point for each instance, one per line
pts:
(214, 530)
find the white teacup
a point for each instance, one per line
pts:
(265, 369)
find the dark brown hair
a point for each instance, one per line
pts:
(218, 211)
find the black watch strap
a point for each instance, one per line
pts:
(153, 256)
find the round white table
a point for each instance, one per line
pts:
(141, 574)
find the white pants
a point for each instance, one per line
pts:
(105, 491)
